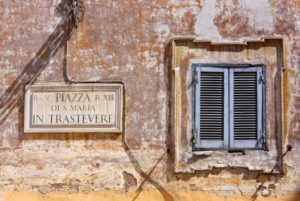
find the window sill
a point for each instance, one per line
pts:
(256, 160)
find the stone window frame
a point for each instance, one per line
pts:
(180, 138)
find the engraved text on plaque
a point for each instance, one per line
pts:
(73, 108)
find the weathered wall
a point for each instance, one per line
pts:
(127, 41)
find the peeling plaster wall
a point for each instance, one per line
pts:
(127, 40)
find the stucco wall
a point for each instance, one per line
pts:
(128, 41)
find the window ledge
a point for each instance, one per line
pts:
(202, 153)
(256, 160)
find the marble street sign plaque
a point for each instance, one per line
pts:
(73, 108)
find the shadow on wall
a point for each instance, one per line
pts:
(14, 94)
(167, 196)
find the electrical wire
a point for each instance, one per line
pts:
(72, 81)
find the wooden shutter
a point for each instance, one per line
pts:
(246, 98)
(210, 118)
(228, 107)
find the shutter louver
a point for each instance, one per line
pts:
(211, 106)
(245, 106)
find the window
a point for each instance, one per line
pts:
(228, 107)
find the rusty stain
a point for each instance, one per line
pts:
(184, 62)
(233, 23)
(285, 17)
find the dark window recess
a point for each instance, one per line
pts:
(228, 107)
(245, 106)
(211, 106)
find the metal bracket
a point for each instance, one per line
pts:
(195, 78)
(261, 79)
(195, 135)
(77, 11)
(263, 141)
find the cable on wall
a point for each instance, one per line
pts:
(77, 14)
